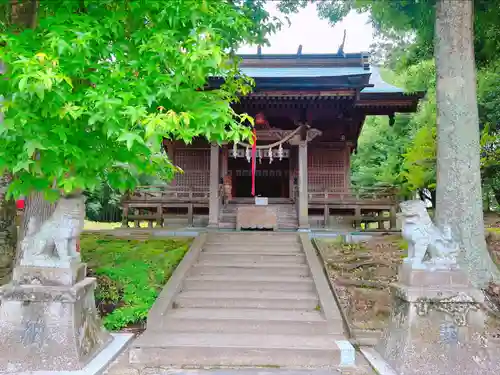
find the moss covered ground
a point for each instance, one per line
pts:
(130, 274)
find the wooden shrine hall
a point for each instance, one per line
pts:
(309, 110)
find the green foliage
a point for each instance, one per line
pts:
(90, 93)
(489, 114)
(380, 149)
(130, 274)
(103, 204)
(406, 154)
(394, 20)
(403, 155)
(404, 44)
(420, 160)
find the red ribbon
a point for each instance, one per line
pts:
(254, 156)
(20, 204)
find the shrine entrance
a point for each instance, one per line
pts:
(272, 179)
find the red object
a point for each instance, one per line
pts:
(254, 156)
(260, 119)
(20, 204)
(78, 245)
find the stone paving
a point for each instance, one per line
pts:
(121, 366)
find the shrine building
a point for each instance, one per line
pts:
(309, 110)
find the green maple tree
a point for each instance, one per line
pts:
(92, 89)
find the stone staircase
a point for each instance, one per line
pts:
(252, 299)
(286, 214)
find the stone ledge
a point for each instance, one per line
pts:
(50, 276)
(416, 293)
(44, 293)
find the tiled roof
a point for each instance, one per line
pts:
(379, 84)
(302, 72)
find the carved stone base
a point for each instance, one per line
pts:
(437, 327)
(49, 327)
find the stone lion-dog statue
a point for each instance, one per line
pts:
(426, 239)
(60, 232)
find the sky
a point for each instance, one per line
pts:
(316, 35)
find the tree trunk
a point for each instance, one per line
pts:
(8, 232)
(25, 14)
(8, 229)
(458, 194)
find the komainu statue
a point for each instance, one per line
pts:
(60, 232)
(428, 246)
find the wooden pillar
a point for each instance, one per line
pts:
(125, 216)
(393, 219)
(190, 215)
(357, 215)
(224, 161)
(213, 208)
(159, 216)
(303, 190)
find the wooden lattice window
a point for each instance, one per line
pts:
(196, 167)
(326, 170)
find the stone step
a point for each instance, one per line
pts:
(233, 215)
(259, 315)
(221, 349)
(255, 257)
(226, 282)
(284, 327)
(248, 300)
(293, 226)
(252, 249)
(249, 269)
(267, 241)
(259, 235)
(254, 237)
(227, 225)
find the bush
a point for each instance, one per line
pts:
(130, 274)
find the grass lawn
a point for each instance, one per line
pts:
(94, 225)
(130, 274)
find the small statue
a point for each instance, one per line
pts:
(61, 230)
(424, 238)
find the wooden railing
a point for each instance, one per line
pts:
(166, 194)
(376, 194)
(151, 203)
(362, 206)
(376, 204)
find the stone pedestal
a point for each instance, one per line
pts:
(48, 320)
(437, 326)
(256, 217)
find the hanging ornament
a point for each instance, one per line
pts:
(248, 154)
(270, 154)
(260, 119)
(235, 150)
(280, 152)
(259, 155)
